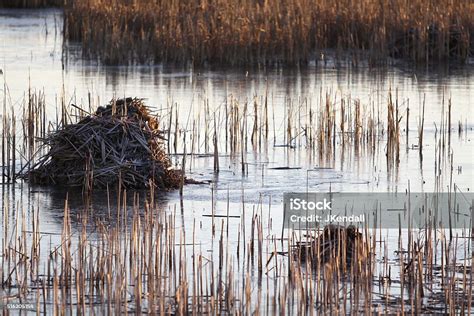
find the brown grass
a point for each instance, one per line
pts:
(243, 32)
(141, 260)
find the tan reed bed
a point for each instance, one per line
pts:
(324, 125)
(288, 32)
(143, 260)
(331, 125)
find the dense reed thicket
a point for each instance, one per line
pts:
(31, 3)
(126, 255)
(145, 262)
(239, 32)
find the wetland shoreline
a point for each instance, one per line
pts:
(247, 136)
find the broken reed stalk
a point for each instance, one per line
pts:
(393, 132)
(421, 126)
(407, 126)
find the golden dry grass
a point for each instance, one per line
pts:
(246, 32)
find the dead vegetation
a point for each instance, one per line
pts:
(143, 260)
(160, 265)
(119, 143)
(335, 244)
(266, 32)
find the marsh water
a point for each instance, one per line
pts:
(34, 57)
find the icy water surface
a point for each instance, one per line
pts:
(33, 56)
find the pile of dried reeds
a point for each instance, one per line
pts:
(340, 244)
(119, 143)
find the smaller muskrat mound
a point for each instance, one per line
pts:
(344, 245)
(119, 143)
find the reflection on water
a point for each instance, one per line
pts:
(31, 50)
(32, 56)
